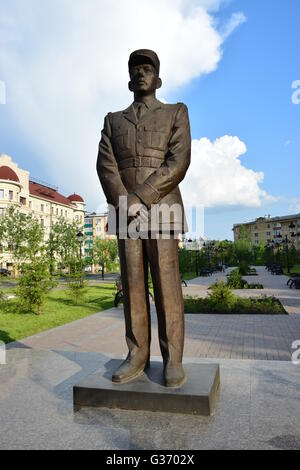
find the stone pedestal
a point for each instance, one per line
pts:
(197, 396)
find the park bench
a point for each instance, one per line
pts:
(294, 282)
(205, 272)
(277, 270)
(120, 295)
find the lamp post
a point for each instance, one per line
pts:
(209, 247)
(80, 239)
(285, 241)
(270, 247)
(254, 254)
(197, 262)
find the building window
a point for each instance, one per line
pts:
(30, 204)
(42, 223)
(256, 242)
(10, 195)
(268, 234)
(23, 201)
(1, 193)
(42, 207)
(256, 234)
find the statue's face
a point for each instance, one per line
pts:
(144, 78)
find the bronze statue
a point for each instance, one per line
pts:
(144, 153)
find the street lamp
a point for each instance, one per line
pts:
(209, 248)
(80, 239)
(270, 245)
(285, 241)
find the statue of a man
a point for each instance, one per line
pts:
(144, 154)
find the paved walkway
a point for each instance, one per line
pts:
(257, 408)
(264, 337)
(273, 286)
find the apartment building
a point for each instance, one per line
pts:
(17, 187)
(265, 229)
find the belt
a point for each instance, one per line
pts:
(135, 162)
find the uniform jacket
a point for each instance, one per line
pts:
(148, 157)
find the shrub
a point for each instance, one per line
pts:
(244, 268)
(77, 286)
(221, 297)
(255, 286)
(34, 284)
(263, 306)
(235, 280)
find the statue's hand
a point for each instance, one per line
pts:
(135, 206)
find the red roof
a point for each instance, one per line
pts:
(39, 190)
(75, 198)
(7, 173)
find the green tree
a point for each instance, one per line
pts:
(105, 253)
(77, 285)
(242, 250)
(21, 236)
(225, 248)
(34, 283)
(186, 261)
(63, 244)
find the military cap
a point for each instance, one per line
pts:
(137, 57)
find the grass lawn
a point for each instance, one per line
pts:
(189, 276)
(294, 270)
(58, 310)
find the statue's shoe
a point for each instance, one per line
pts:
(174, 375)
(130, 369)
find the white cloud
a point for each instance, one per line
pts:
(65, 66)
(217, 177)
(294, 205)
(236, 20)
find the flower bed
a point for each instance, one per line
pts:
(239, 306)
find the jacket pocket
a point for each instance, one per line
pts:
(121, 140)
(155, 138)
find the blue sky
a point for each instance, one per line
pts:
(245, 93)
(249, 95)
